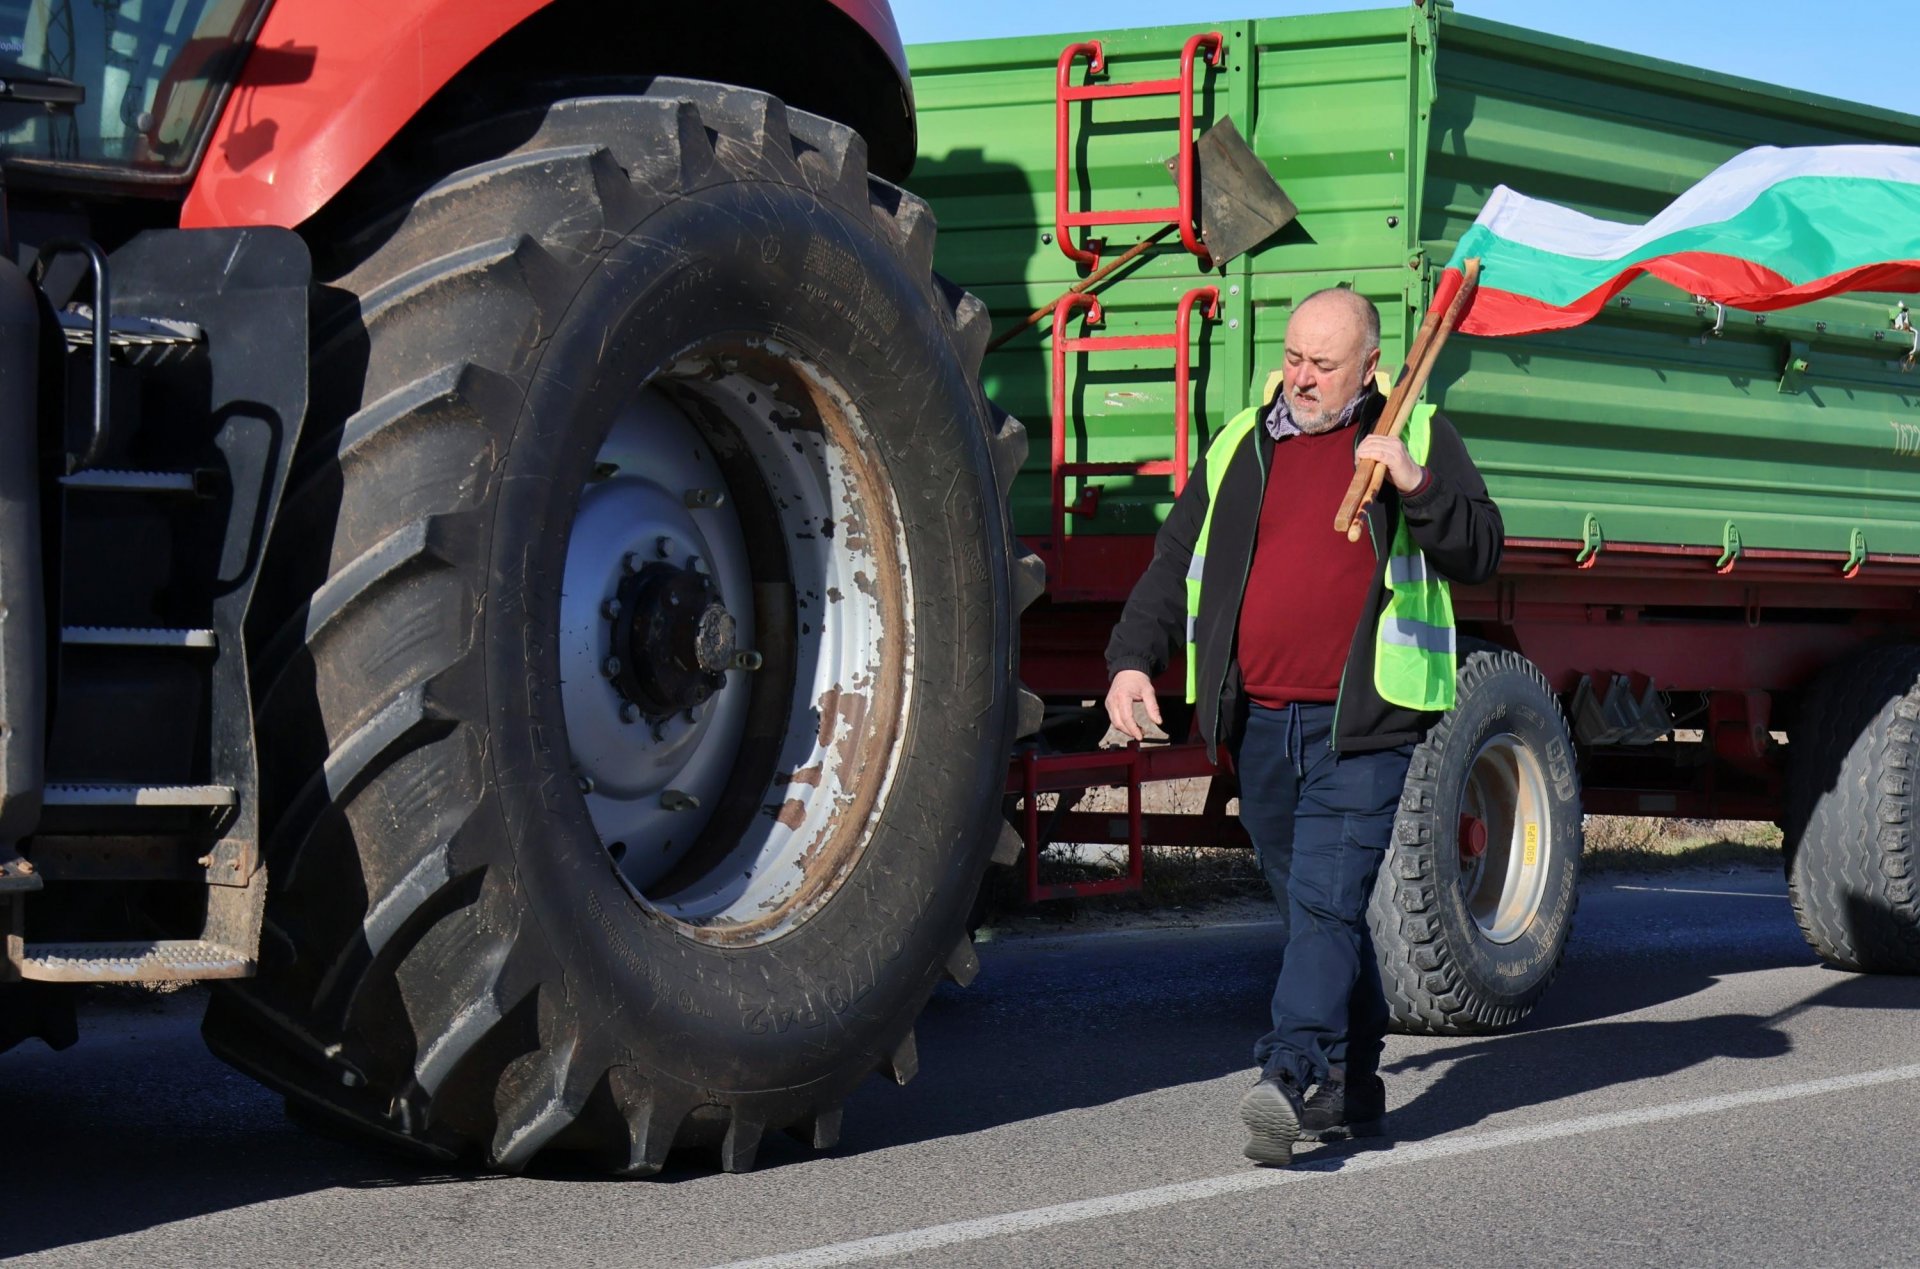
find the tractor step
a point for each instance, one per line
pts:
(141, 340)
(137, 637)
(138, 795)
(136, 961)
(175, 484)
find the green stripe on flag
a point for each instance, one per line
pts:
(1804, 228)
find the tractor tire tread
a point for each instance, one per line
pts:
(426, 1015)
(1851, 849)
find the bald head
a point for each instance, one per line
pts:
(1332, 347)
(1357, 307)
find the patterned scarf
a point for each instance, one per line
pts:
(1280, 424)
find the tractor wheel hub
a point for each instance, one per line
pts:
(677, 640)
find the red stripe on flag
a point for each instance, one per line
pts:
(1451, 280)
(1726, 279)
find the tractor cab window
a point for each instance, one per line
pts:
(154, 71)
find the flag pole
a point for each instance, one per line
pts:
(1442, 316)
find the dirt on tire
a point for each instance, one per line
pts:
(452, 961)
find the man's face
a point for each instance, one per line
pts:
(1326, 362)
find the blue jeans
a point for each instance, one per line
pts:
(1321, 823)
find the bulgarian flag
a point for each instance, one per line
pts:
(1767, 229)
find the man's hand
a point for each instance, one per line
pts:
(1130, 686)
(1391, 452)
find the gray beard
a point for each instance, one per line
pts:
(1327, 420)
(1282, 424)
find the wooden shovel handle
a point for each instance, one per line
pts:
(1395, 409)
(1369, 475)
(1099, 274)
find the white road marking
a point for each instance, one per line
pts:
(1730, 894)
(912, 1241)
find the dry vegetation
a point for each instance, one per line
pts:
(1624, 843)
(1186, 878)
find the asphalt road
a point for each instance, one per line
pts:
(1695, 1091)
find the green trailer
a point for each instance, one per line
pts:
(1708, 601)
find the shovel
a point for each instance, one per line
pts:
(1241, 206)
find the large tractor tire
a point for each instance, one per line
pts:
(635, 698)
(1475, 900)
(1853, 817)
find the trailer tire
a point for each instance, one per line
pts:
(630, 350)
(1468, 943)
(1852, 861)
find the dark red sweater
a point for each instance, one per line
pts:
(1308, 584)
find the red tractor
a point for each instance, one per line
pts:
(504, 558)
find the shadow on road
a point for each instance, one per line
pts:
(1488, 1076)
(1085, 1023)
(138, 1126)
(1073, 1023)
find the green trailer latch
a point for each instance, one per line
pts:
(1856, 553)
(1592, 542)
(1799, 361)
(1730, 549)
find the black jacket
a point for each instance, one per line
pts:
(1452, 520)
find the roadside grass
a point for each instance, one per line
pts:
(1625, 843)
(1194, 878)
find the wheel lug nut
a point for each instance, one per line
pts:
(632, 562)
(612, 666)
(748, 661)
(629, 713)
(699, 566)
(586, 784)
(698, 498)
(663, 546)
(610, 610)
(675, 800)
(660, 730)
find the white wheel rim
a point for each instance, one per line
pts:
(1504, 885)
(654, 784)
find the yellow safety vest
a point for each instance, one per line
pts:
(1415, 650)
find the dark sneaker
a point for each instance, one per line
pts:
(1339, 1110)
(1271, 1110)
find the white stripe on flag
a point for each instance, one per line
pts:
(1724, 193)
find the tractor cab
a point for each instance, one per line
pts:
(124, 92)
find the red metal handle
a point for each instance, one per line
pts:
(1062, 94)
(1187, 57)
(1062, 314)
(1181, 410)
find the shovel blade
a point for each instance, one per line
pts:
(1241, 205)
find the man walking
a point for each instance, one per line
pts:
(1320, 664)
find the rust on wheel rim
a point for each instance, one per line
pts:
(737, 641)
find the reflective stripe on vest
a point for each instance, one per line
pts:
(1219, 455)
(1414, 654)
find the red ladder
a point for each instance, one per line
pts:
(1177, 343)
(1065, 220)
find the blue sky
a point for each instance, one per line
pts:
(1844, 48)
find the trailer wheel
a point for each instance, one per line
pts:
(1476, 895)
(636, 684)
(1853, 865)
